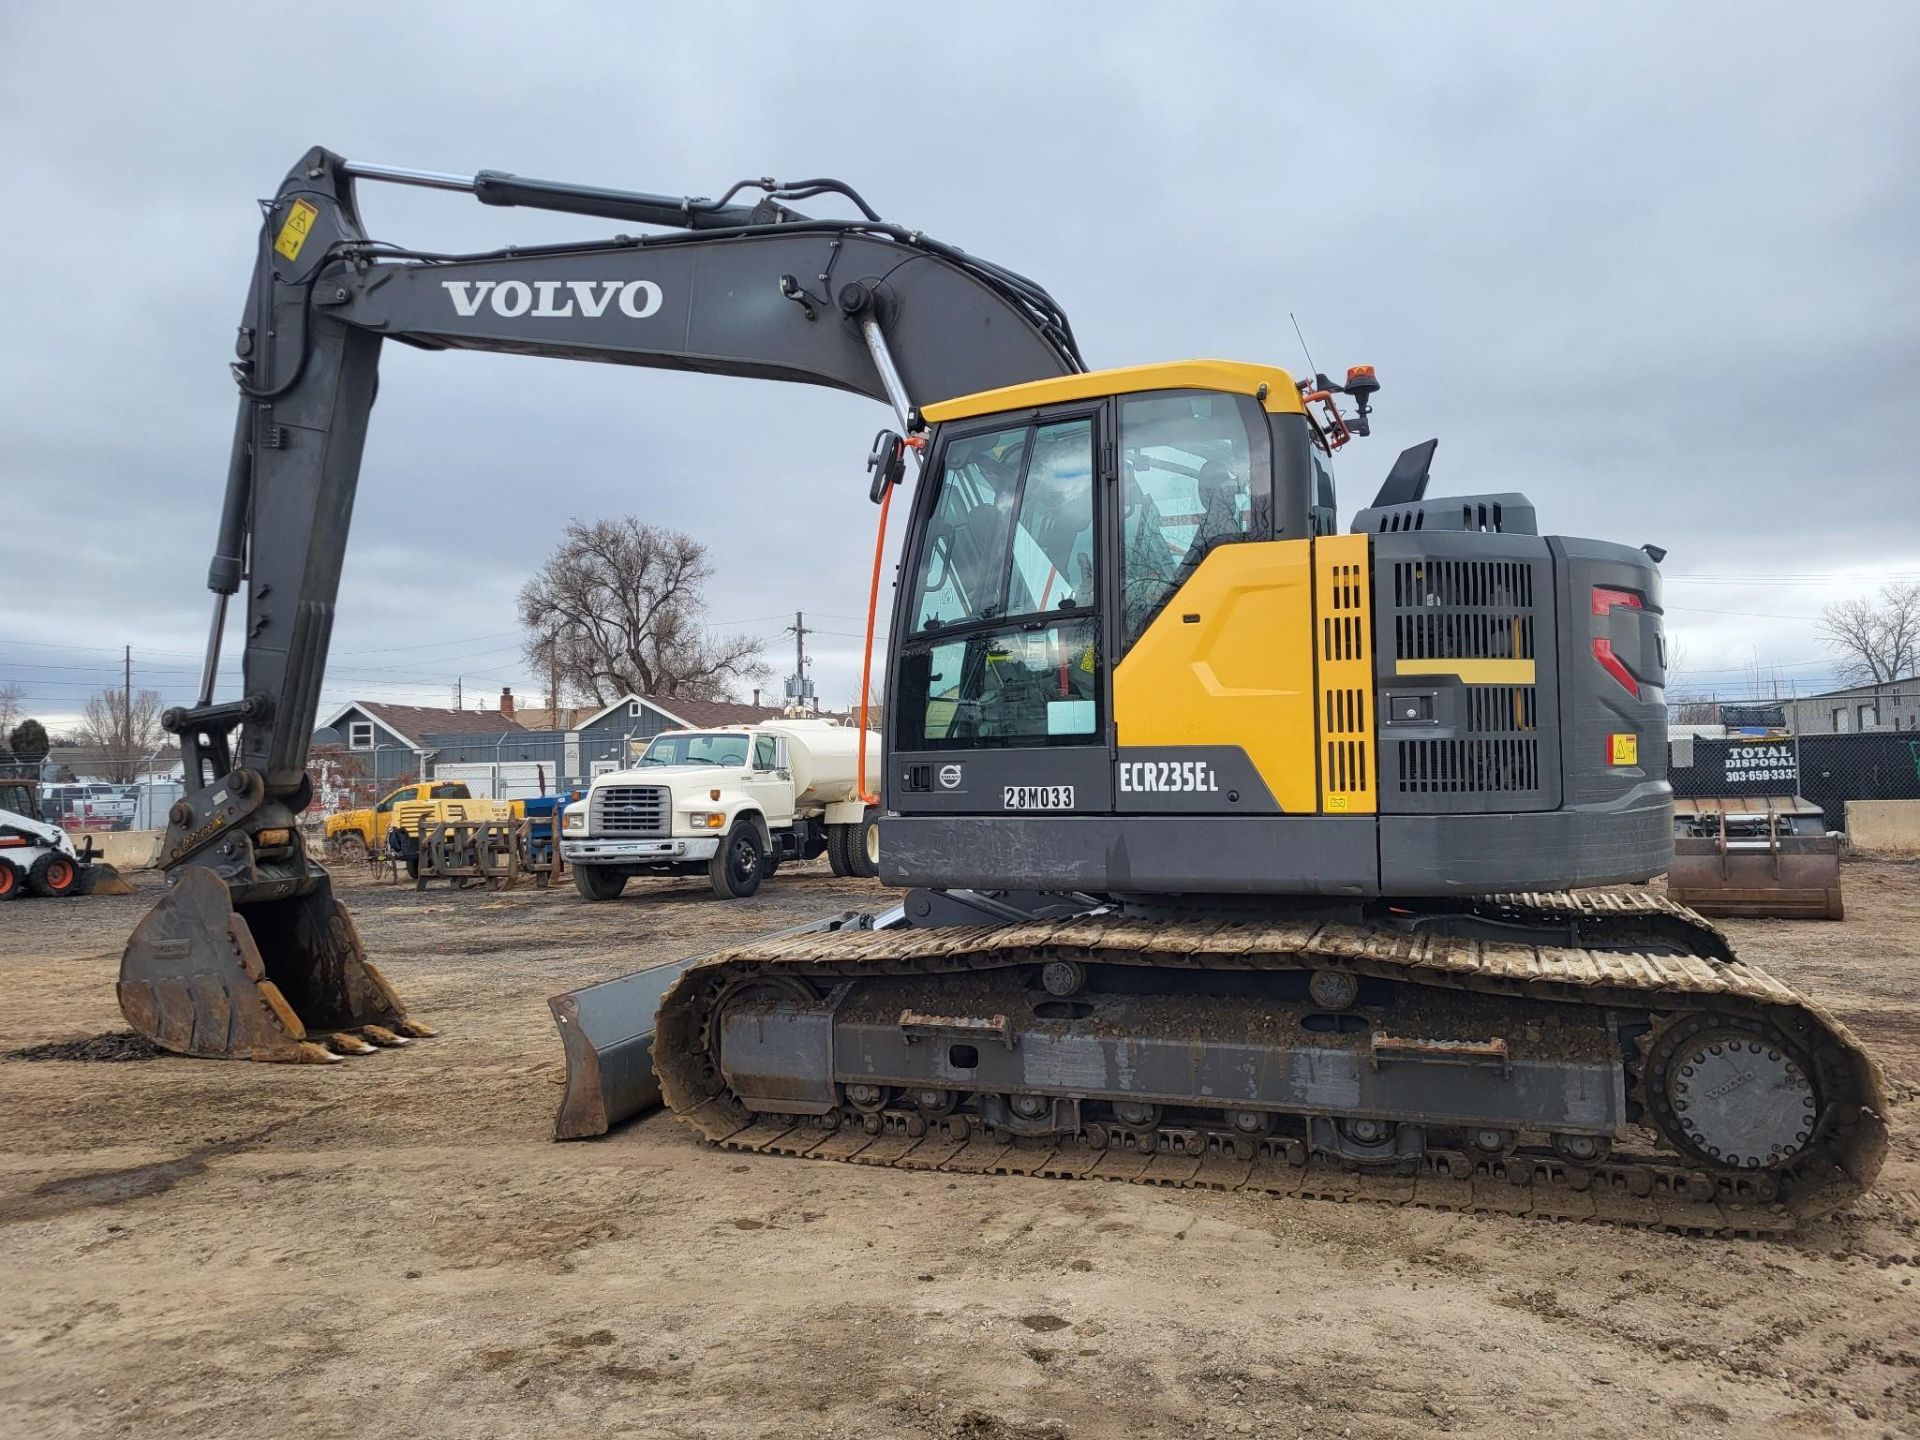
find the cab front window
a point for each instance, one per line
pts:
(1004, 646)
(995, 687)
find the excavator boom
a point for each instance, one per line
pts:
(249, 953)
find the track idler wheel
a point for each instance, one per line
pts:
(1732, 1092)
(269, 981)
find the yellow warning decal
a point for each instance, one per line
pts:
(1623, 749)
(298, 226)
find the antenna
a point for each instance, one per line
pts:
(1312, 369)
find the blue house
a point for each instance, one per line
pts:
(391, 744)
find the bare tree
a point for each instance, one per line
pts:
(1877, 640)
(124, 733)
(11, 697)
(618, 608)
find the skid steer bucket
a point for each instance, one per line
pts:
(97, 877)
(1741, 856)
(100, 878)
(277, 980)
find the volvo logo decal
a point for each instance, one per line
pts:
(554, 299)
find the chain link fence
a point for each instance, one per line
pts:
(1829, 770)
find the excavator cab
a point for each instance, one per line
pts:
(1131, 652)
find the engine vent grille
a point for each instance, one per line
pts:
(1502, 709)
(630, 810)
(1477, 766)
(1463, 610)
(1345, 674)
(1479, 629)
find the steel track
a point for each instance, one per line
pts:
(1636, 952)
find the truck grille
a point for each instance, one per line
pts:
(628, 810)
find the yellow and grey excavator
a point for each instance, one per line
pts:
(1236, 851)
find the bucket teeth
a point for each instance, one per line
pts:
(280, 980)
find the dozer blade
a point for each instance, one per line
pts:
(101, 878)
(270, 980)
(606, 1031)
(1798, 880)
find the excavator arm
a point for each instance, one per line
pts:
(249, 954)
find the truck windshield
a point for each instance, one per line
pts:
(687, 749)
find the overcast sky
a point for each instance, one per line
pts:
(1653, 265)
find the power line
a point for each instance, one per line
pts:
(1749, 614)
(1815, 578)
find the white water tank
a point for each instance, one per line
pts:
(825, 757)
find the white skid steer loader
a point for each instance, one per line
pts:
(40, 859)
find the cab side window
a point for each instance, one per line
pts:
(1196, 473)
(1326, 519)
(387, 804)
(764, 748)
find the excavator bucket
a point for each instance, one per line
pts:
(1770, 858)
(275, 980)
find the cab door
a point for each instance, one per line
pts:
(998, 700)
(769, 780)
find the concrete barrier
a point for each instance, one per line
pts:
(1884, 827)
(126, 849)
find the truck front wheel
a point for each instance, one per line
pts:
(740, 864)
(599, 882)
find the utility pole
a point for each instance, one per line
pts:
(458, 698)
(799, 689)
(126, 706)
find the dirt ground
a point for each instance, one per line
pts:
(395, 1244)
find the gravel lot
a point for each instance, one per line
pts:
(395, 1244)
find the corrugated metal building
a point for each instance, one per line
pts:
(1892, 705)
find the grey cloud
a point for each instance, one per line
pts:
(1652, 265)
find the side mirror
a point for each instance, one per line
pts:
(887, 463)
